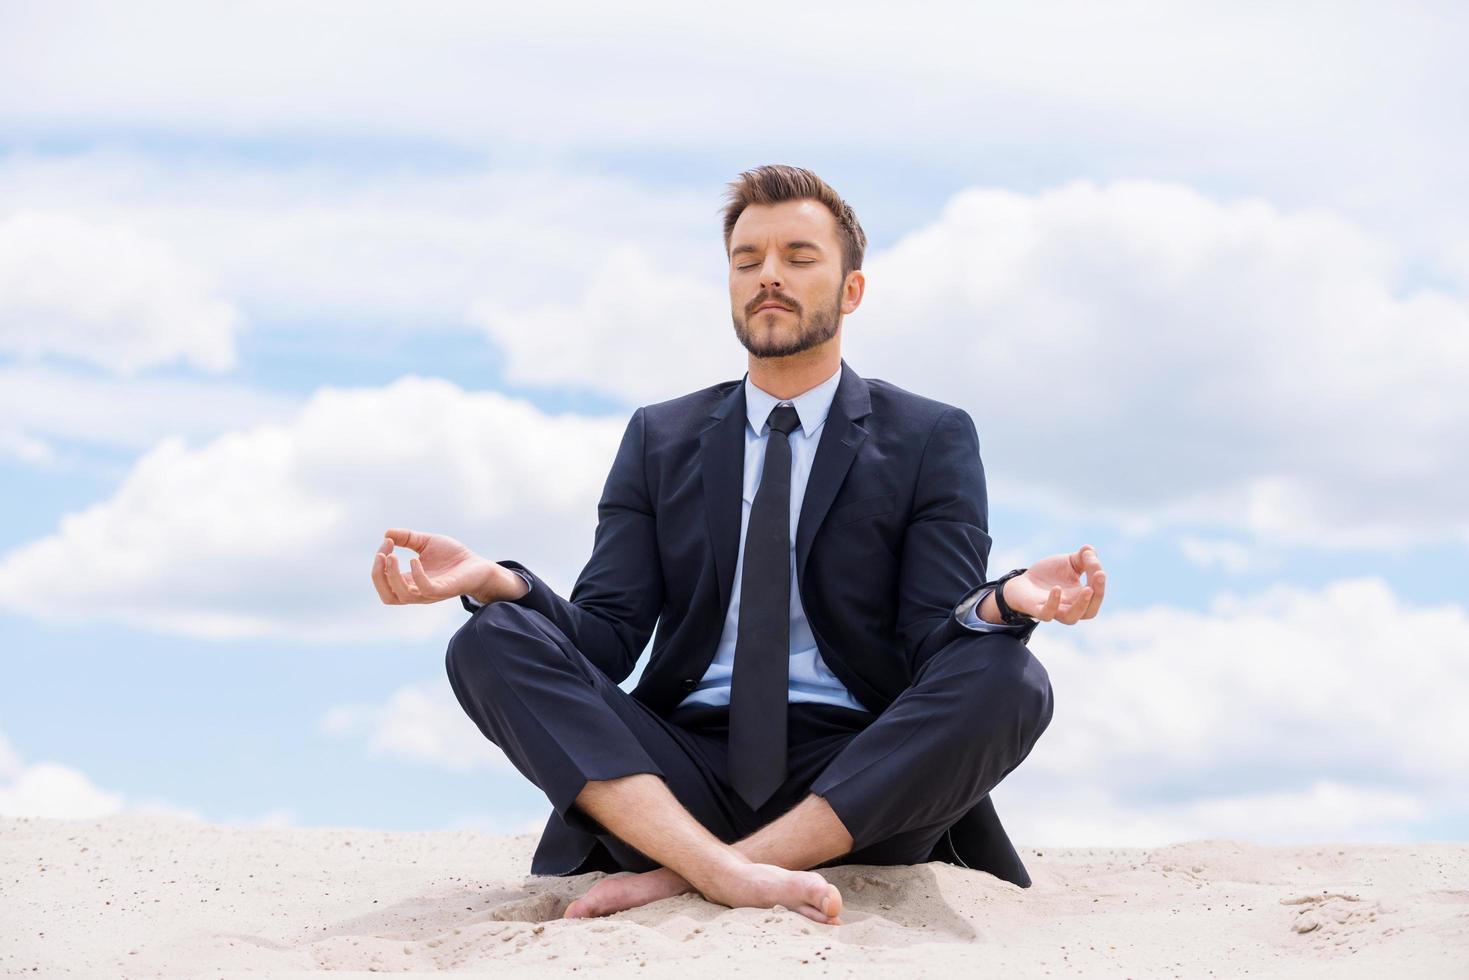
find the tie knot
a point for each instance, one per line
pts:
(784, 418)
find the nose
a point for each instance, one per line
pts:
(770, 271)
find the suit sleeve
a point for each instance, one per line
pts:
(947, 544)
(471, 604)
(616, 599)
(968, 610)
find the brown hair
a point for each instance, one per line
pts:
(777, 182)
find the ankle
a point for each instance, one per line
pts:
(717, 869)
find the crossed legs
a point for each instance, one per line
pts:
(978, 705)
(763, 870)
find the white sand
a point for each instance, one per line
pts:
(144, 896)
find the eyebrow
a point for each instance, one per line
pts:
(741, 249)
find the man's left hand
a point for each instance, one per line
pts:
(1051, 589)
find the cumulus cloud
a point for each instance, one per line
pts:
(1232, 557)
(1140, 351)
(106, 295)
(1239, 105)
(419, 723)
(1323, 810)
(339, 250)
(270, 530)
(635, 332)
(43, 406)
(50, 789)
(1286, 715)
(24, 448)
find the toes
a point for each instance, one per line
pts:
(833, 905)
(823, 901)
(588, 906)
(815, 915)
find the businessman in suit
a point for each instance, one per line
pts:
(832, 677)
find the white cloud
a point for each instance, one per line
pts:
(270, 531)
(1226, 365)
(1233, 557)
(106, 295)
(44, 406)
(1321, 811)
(46, 789)
(25, 449)
(9, 758)
(49, 789)
(336, 249)
(962, 86)
(635, 332)
(419, 723)
(1140, 352)
(1287, 715)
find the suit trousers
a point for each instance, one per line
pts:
(897, 780)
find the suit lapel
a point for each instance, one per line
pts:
(722, 464)
(841, 435)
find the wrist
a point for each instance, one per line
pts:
(1008, 615)
(500, 584)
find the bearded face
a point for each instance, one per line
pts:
(789, 327)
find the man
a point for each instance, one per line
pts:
(832, 676)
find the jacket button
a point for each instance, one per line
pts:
(689, 683)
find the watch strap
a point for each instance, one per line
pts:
(1007, 615)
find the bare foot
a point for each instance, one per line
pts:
(627, 891)
(763, 886)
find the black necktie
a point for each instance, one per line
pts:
(759, 687)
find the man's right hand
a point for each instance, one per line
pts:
(443, 569)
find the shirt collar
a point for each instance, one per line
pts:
(812, 405)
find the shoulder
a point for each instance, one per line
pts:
(912, 414)
(686, 415)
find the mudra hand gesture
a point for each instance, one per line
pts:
(1051, 589)
(442, 569)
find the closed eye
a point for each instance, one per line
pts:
(793, 262)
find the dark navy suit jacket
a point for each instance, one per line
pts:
(891, 539)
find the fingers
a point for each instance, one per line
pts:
(1095, 577)
(1099, 580)
(414, 540)
(394, 577)
(1077, 560)
(380, 576)
(1074, 609)
(421, 581)
(1048, 609)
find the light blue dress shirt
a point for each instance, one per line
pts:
(810, 679)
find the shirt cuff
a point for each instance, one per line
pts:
(472, 604)
(968, 612)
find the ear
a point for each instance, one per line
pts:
(852, 291)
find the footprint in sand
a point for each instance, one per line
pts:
(1334, 918)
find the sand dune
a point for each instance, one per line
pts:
(145, 896)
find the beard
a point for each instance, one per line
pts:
(811, 330)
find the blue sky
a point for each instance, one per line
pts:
(1200, 279)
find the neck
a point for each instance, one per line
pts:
(787, 377)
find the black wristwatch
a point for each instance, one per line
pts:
(1007, 615)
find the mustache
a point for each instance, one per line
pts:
(774, 298)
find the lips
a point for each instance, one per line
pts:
(772, 306)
